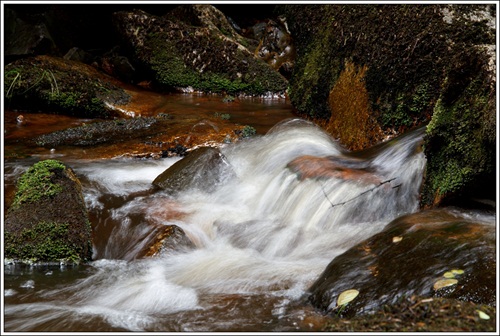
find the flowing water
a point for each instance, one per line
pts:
(261, 239)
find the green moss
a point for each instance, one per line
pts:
(316, 73)
(458, 150)
(239, 74)
(168, 66)
(248, 131)
(46, 241)
(406, 50)
(60, 86)
(36, 182)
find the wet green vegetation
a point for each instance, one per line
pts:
(37, 182)
(241, 74)
(44, 242)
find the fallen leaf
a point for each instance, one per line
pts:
(347, 296)
(449, 275)
(444, 283)
(457, 271)
(483, 315)
(397, 239)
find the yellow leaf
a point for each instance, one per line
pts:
(444, 283)
(397, 239)
(449, 275)
(347, 296)
(483, 315)
(457, 271)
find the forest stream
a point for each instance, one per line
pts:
(261, 236)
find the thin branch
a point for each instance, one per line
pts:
(364, 192)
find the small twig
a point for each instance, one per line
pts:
(324, 193)
(364, 192)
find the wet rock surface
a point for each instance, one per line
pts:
(309, 166)
(414, 256)
(95, 133)
(170, 238)
(418, 314)
(203, 169)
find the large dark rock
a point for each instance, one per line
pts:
(415, 64)
(195, 46)
(58, 85)
(203, 169)
(25, 36)
(408, 258)
(48, 220)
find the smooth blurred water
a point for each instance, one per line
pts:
(261, 239)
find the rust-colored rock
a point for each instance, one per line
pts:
(309, 166)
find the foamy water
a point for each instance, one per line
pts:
(262, 232)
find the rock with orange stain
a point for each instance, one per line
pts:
(168, 239)
(308, 166)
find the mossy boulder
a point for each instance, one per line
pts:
(194, 46)
(415, 255)
(412, 65)
(48, 220)
(62, 86)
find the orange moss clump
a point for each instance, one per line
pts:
(352, 120)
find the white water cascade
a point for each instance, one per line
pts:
(263, 233)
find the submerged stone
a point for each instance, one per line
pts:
(309, 166)
(170, 238)
(91, 134)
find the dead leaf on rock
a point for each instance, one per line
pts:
(444, 283)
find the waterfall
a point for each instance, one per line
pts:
(267, 230)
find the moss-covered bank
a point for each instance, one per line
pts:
(48, 221)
